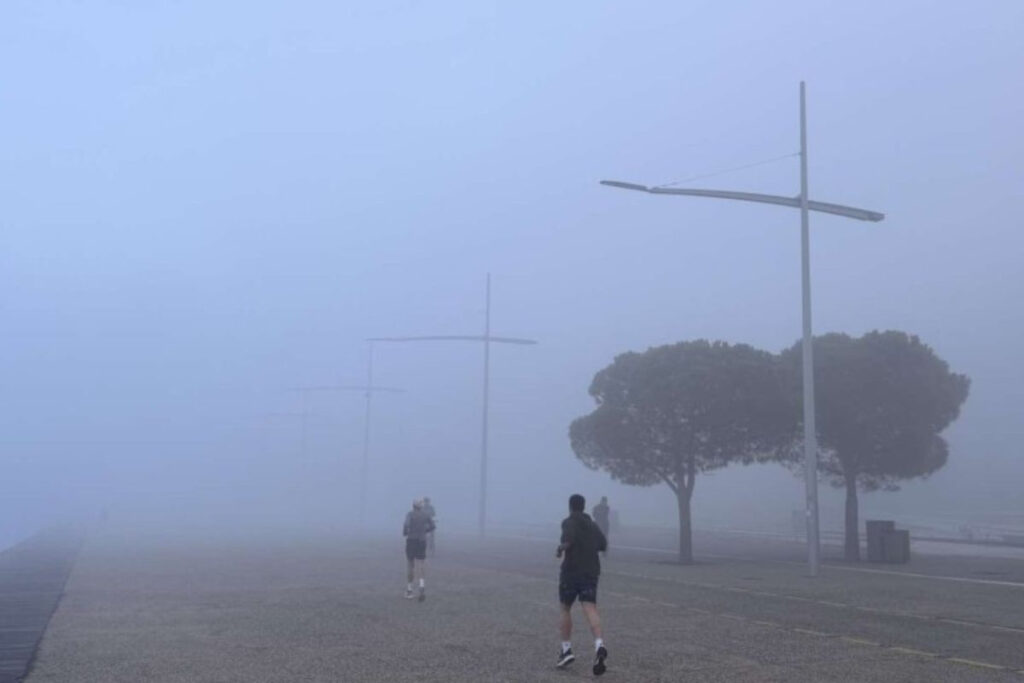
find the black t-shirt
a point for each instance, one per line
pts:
(582, 540)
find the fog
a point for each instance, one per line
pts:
(206, 205)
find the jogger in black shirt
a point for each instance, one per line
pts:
(581, 541)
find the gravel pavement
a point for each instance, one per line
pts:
(323, 609)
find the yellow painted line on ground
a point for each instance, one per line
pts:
(917, 575)
(860, 641)
(912, 651)
(769, 624)
(619, 594)
(995, 627)
(975, 663)
(812, 632)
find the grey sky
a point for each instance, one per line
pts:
(205, 203)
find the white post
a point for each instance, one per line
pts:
(363, 472)
(303, 426)
(487, 383)
(810, 431)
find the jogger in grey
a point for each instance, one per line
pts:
(417, 525)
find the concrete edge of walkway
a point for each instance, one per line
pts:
(33, 577)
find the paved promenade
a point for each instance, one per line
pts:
(319, 610)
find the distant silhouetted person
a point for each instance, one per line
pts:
(581, 541)
(601, 516)
(429, 509)
(417, 526)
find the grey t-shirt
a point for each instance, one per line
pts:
(417, 525)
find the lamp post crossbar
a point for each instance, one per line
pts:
(780, 200)
(458, 337)
(354, 387)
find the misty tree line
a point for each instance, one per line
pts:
(674, 411)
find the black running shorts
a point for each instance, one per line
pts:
(571, 588)
(415, 549)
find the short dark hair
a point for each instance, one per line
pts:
(577, 503)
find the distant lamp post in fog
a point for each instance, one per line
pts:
(805, 205)
(368, 390)
(487, 339)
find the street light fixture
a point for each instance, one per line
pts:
(805, 205)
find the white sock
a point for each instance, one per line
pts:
(566, 646)
(423, 583)
(598, 643)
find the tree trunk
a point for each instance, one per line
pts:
(685, 530)
(852, 544)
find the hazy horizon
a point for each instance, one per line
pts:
(205, 206)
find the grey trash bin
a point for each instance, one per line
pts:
(877, 529)
(896, 546)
